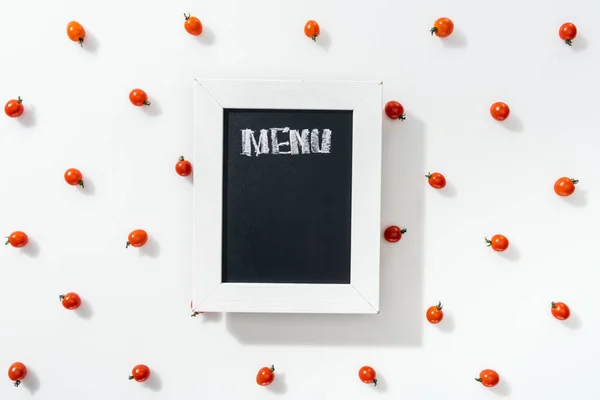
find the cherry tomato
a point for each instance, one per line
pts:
(192, 25)
(367, 375)
(394, 110)
(265, 376)
(139, 98)
(183, 167)
(498, 242)
(499, 111)
(312, 30)
(73, 177)
(488, 378)
(435, 314)
(17, 372)
(17, 239)
(140, 373)
(567, 32)
(560, 311)
(137, 238)
(443, 27)
(565, 186)
(76, 32)
(70, 301)
(393, 233)
(436, 180)
(14, 108)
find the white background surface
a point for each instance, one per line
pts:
(137, 302)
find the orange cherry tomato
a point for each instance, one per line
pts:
(435, 314)
(488, 378)
(74, 177)
(395, 110)
(565, 186)
(498, 242)
(393, 233)
(443, 27)
(560, 311)
(70, 301)
(17, 372)
(14, 108)
(436, 180)
(76, 32)
(140, 373)
(139, 98)
(192, 25)
(183, 167)
(265, 375)
(368, 375)
(499, 111)
(567, 32)
(137, 238)
(312, 30)
(17, 239)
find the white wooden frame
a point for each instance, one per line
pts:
(210, 294)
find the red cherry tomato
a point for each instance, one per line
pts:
(312, 30)
(394, 110)
(436, 180)
(14, 108)
(183, 167)
(192, 25)
(74, 177)
(17, 239)
(567, 32)
(76, 32)
(140, 373)
(499, 111)
(368, 375)
(17, 372)
(498, 242)
(560, 311)
(435, 314)
(139, 98)
(393, 233)
(137, 238)
(265, 375)
(565, 186)
(443, 27)
(488, 378)
(70, 301)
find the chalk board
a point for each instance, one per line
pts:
(287, 188)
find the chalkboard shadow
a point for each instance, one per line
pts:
(399, 323)
(278, 386)
(31, 381)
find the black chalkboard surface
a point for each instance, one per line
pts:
(287, 185)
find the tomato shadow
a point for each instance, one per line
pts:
(398, 323)
(511, 254)
(324, 40)
(154, 382)
(573, 322)
(31, 381)
(448, 191)
(580, 43)
(447, 325)
(27, 119)
(153, 109)
(31, 249)
(382, 385)
(207, 37)
(89, 189)
(501, 389)
(278, 386)
(577, 199)
(84, 311)
(457, 40)
(90, 43)
(151, 248)
(513, 123)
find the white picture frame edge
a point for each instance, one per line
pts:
(210, 294)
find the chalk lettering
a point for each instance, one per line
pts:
(275, 144)
(260, 147)
(325, 142)
(298, 142)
